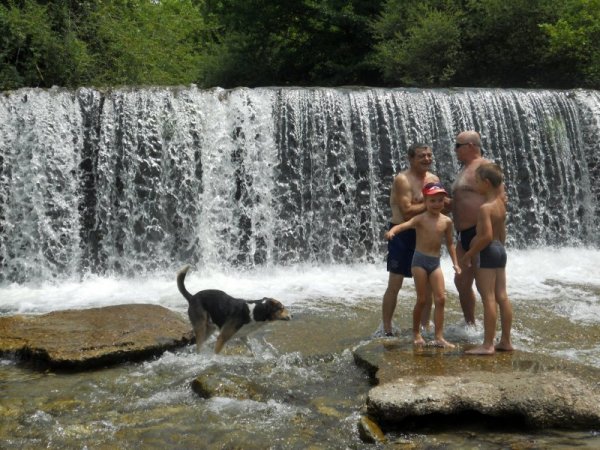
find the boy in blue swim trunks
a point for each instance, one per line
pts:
(490, 276)
(431, 227)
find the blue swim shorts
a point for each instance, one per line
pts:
(493, 256)
(400, 252)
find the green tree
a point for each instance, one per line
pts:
(502, 43)
(34, 51)
(574, 51)
(146, 42)
(262, 42)
(113, 42)
(418, 43)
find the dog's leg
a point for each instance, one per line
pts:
(228, 330)
(201, 332)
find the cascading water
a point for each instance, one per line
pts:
(137, 180)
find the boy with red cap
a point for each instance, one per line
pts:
(431, 228)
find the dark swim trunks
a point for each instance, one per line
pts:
(400, 252)
(466, 236)
(493, 256)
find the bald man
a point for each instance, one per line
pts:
(465, 207)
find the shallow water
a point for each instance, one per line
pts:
(303, 388)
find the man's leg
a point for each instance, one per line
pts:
(464, 285)
(389, 300)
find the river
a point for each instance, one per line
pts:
(307, 391)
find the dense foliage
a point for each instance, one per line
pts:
(516, 43)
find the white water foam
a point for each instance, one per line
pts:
(565, 280)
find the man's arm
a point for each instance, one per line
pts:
(404, 198)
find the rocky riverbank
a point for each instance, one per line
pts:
(413, 386)
(91, 338)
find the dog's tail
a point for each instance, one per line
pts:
(181, 286)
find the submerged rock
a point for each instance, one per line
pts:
(213, 383)
(369, 431)
(91, 338)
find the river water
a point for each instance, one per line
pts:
(304, 388)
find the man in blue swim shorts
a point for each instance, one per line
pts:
(406, 201)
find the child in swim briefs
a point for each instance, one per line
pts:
(429, 263)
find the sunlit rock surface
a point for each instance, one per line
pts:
(96, 337)
(549, 400)
(517, 388)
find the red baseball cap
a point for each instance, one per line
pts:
(434, 188)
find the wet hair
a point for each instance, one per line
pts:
(412, 150)
(491, 172)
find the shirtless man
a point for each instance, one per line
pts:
(466, 201)
(406, 201)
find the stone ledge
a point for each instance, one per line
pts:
(91, 338)
(549, 400)
(419, 386)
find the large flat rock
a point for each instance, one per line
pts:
(426, 385)
(90, 338)
(549, 400)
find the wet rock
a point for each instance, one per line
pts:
(214, 384)
(416, 385)
(369, 431)
(549, 400)
(96, 337)
(386, 360)
(323, 406)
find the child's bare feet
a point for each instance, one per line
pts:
(443, 343)
(504, 347)
(419, 340)
(481, 350)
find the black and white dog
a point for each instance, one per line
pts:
(212, 307)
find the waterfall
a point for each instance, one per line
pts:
(137, 180)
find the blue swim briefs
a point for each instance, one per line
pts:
(429, 263)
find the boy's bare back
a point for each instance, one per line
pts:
(494, 213)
